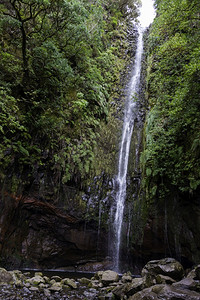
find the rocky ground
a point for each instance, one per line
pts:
(160, 280)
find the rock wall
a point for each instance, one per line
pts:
(171, 229)
(37, 234)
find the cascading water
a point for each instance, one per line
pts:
(130, 116)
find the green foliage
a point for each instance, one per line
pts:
(171, 156)
(59, 60)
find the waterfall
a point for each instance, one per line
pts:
(130, 117)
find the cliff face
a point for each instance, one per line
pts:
(171, 229)
(35, 233)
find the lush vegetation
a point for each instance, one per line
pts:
(59, 61)
(171, 159)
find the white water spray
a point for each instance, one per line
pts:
(147, 14)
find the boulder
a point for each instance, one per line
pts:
(195, 273)
(56, 278)
(167, 292)
(84, 280)
(109, 277)
(18, 278)
(56, 287)
(98, 275)
(164, 279)
(5, 277)
(146, 294)
(70, 282)
(119, 291)
(128, 289)
(188, 283)
(36, 280)
(127, 277)
(167, 267)
(135, 286)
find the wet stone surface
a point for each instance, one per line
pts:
(155, 283)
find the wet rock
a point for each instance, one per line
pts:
(84, 280)
(109, 296)
(47, 279)
(167, 267)
(56, 287)
(164, 279)
(91, 294)
(126, 277)
(5, 277)
(94, 284)
(38, 274)
(136, 285)
(98, 275)
(145, 295)
(119, 291)
(34, 289)
(19, 283)
(188, 283)
(167, 292)
(47, 293)
(195, 273)
(36, 280)
(171, 293)
(70, 282)
(109, 277)
(56, 278)
(128, 289)
(149, 280)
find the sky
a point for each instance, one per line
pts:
(147, 13)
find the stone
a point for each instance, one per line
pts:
(70, 282)
(109, 296)
(195, 273)
(52, 281)
(56, 278)
(149, 280)
(43, 285)
(84, 280)
(109, 277)
(136, 285)
(119, 291)
(47, 279)
(36, 280)
(47, 293)
(91, 294)
(38, 274)
(167, 267)
(126, 278)
(128, 289)
(165, 292)
(27, 284)
(93, 284)
(34, 289)
(164, 279)
(19, 283)
(171, 293)
(98, 275)
(144, 295)
(56, 287)
(5, 277)
(188, 283)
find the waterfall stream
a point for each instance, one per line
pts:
(130, 117)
